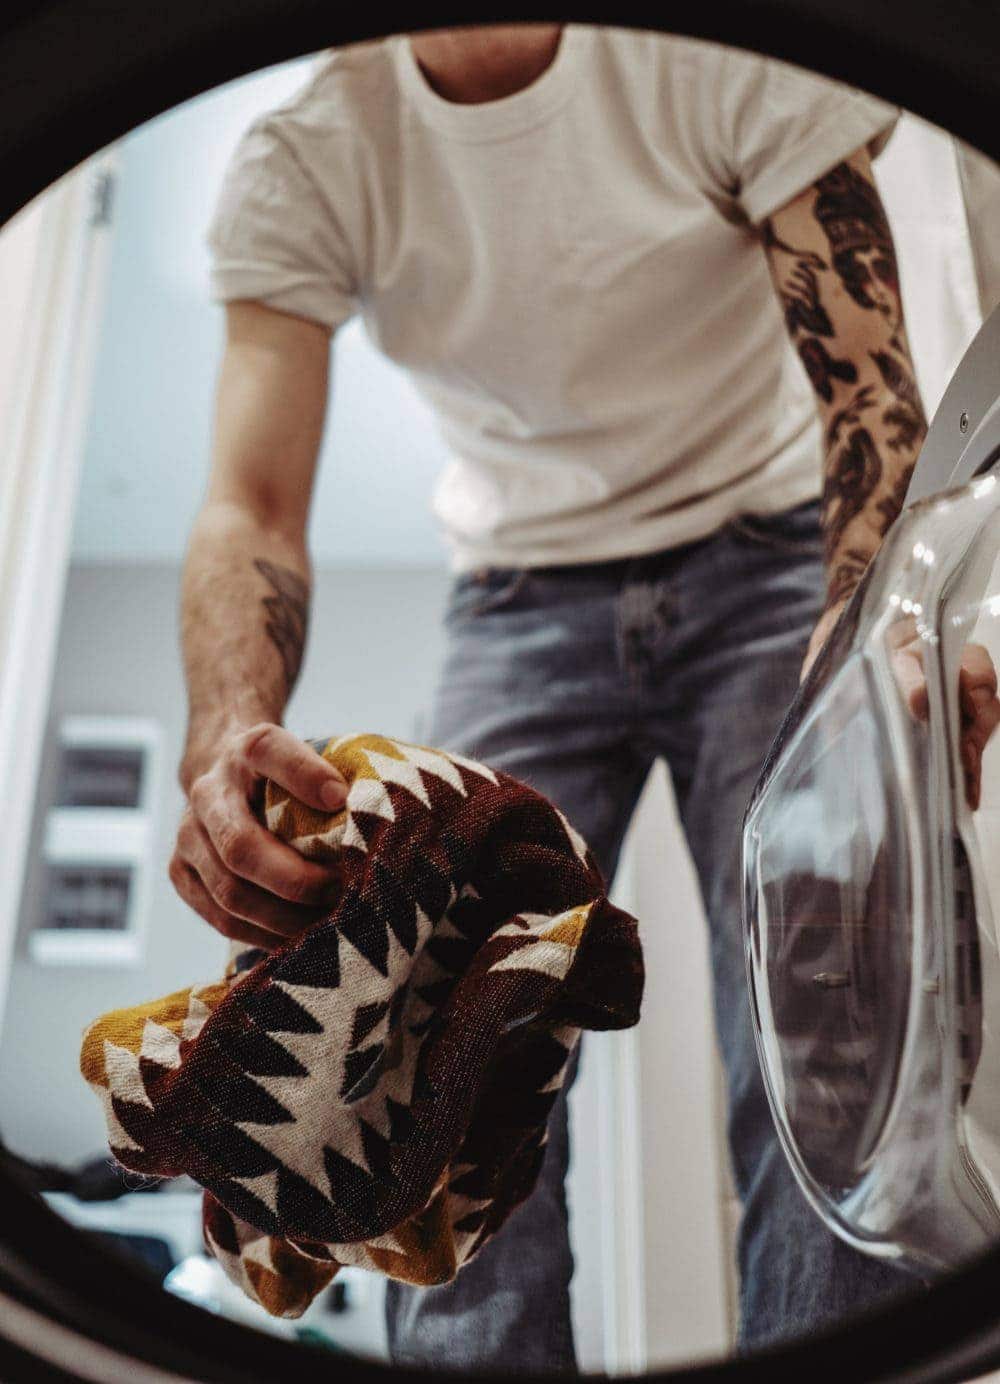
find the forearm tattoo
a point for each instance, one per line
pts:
(845, 573)
(850, 212)
(852, 478)
(806, 318)
(287, 614)
(907, 414)
(862, 374)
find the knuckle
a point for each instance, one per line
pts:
(257, 738)
(235, 848)
(185, 836)
(227, 893)
(200, 794)
(300, 890)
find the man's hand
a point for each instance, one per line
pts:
(229, 868)
(245, 595)
(979, 705)
(977, 690)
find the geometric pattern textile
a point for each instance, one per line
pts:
(375, 1090)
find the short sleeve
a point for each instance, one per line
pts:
(275, 238)
(785, 128)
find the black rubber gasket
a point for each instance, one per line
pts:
(76, 75)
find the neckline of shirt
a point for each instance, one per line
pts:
(506, 116)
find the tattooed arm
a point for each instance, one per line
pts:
(833, 263)
(244, 612)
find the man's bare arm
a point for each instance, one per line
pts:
(833, 262)
(834, 266)
(244, 614)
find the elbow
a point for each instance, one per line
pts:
(262, 507)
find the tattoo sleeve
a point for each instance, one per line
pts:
(287, 612)
(833, 264)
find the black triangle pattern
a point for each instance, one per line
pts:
(300, 1203)
(459, 853)
(423, 1087)
(398, 1003)
(352, 1188)
(452, 954)
(469, 917)
(361, 1072)
(436, 992)
(377, 1153)
(369, 825)
(314, 960)
(366, 1018)
(229, 1148)
(430, 887)
(250, 1208)
(360, 925)
(274, 1010)
(395, 904)
(238, 1097)
(401, 1121)
(258, 1054)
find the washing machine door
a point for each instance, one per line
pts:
(871, 858)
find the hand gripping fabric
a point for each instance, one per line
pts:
(375, 1091)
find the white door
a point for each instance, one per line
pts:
(53, 262)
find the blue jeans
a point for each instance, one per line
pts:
(576, 679)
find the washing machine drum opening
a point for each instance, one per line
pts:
(872, 877)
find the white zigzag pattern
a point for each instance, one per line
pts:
(124, 1076)
(160, 1045)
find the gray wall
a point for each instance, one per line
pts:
(118, 654)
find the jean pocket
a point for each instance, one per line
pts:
(487, 591)
(793, 531)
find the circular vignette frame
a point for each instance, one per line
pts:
(76, 75)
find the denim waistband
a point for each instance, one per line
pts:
(632, 565)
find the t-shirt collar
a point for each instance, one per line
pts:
(506, 116)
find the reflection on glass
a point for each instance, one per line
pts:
(872, 883)
(833, 914)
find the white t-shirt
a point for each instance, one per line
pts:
(570, 274)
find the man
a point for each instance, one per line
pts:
(598, 253)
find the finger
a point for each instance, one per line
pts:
(987, 719)
(196, 896)
(233, 852)
(274, 753)
(249, 850)
(912, 683)
(977, 668)
(966, 702)
(248, 901)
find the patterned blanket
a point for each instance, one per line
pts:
(375, 1091)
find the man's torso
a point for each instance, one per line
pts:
(573, 283)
